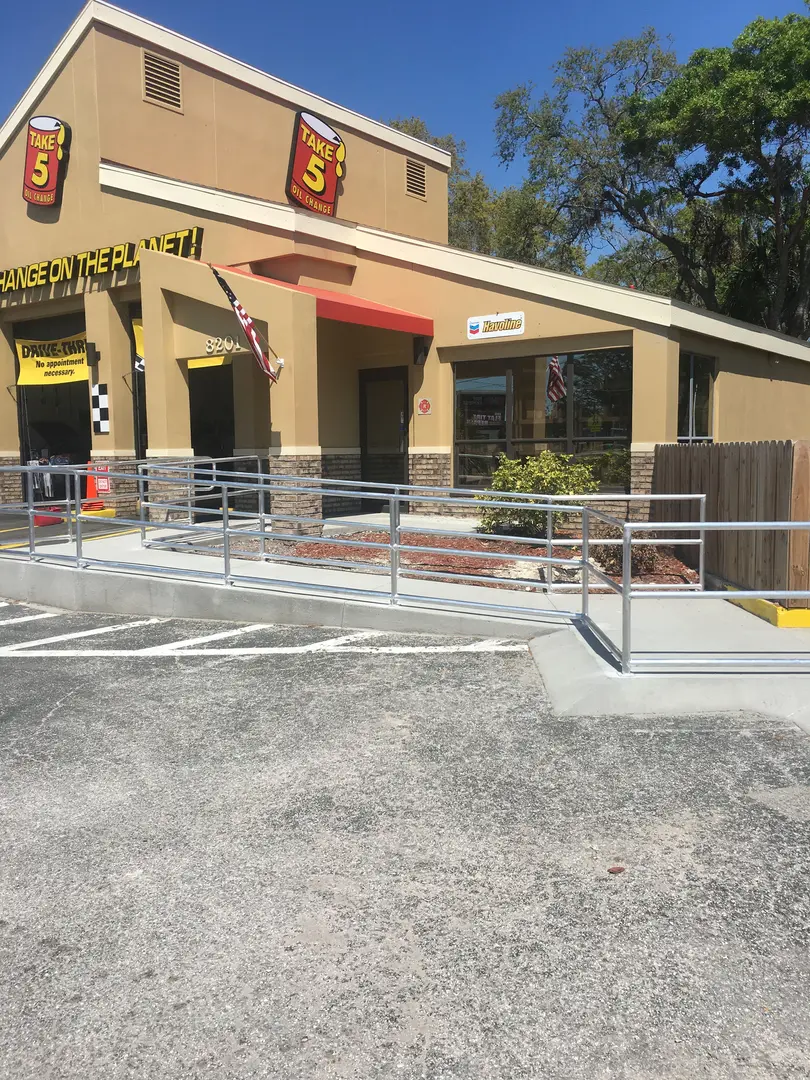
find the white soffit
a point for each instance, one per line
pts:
(103, 14)
(530, 281)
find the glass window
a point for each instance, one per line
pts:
(535, 417)
(504, 407)
(603, 400)
(695, 382)
(481, 397)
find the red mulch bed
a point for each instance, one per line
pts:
(669, 571)
(425, 560)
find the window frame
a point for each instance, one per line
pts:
(511, 446)
(691, 437)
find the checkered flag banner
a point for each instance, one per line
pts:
(555, 387)
(101, 409)
(249, 328)
(139, 364)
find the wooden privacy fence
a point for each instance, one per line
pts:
(761, 481)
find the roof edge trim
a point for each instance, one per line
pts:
(532, 281)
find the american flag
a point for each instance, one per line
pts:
(555, 389)
(249, 328)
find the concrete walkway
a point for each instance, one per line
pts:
(684, 626)
(128, 578)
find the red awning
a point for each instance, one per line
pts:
(342, 307)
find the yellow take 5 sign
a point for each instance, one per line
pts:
(46, 152)
(317, 164)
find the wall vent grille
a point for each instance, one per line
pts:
(161, 81)
(416, 178)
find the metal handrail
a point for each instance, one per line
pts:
(228, 523)
(375, 488)
(623, 654)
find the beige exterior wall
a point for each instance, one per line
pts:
(757, 396)
(217, 140)
(108, 327)
(655, 389)
(28, 234)
(343, 351)
(173, 288)
(235, 138)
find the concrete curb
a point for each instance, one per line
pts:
(119, 593)
(579, 682)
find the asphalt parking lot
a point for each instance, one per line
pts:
(231, 851)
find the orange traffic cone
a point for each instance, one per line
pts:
(92, 501)
(92, 492)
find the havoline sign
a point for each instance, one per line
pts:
(501, 324)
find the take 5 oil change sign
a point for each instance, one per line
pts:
(317, 164)
(46, 152)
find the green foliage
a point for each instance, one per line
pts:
(572, 140)
(639, 263)
(546, 474)
(514, 223)
(612, 469)
(695, 177)
(736, 120)
(698, 177)
(644, 559)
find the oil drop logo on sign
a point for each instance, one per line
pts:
(47, 146)
(317, 164)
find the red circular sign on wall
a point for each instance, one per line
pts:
(424, 406)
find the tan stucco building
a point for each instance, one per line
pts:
(138, 156)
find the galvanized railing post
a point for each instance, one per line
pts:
(702, 548)
(78, 493)
(393, 539)
(262, 512)
(627, 585)
(585, 558)
(29, 495)
(68, 508)
(141, 504)
(226, 537)
(549, 549)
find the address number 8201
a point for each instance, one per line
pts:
(220, 345)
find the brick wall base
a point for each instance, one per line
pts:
(10, 486)
(341, 467)
(124, 497)
(433, 470)
(298, 504)
(642, 463)
(166, 488)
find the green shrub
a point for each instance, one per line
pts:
(547, 474)
(645, 559)
(613, 469)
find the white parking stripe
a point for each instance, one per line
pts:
(30, 618)
(79, 634)
(333, 643)
(269, 650)
(494, 647)
(182, 643)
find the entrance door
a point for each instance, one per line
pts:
(54, 420)
(210, 396)
(210, 393)
(383, 428)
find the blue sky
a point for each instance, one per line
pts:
(444, 60)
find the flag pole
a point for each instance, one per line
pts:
(252, 335)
